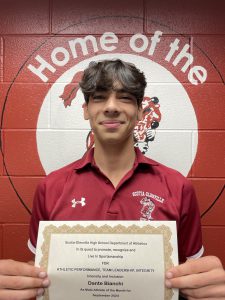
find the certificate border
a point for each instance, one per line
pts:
(106, 229)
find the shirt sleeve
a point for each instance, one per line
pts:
(189, 232)
(38, 214)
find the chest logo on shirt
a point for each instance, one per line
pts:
(81, 202)
(148, 207)
(148, 202)
(148, 195)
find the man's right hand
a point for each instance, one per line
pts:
(21, 281)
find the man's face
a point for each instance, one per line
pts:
(112, 115)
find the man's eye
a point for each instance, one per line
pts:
(98, 97)
(126, 98)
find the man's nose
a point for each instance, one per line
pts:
(111, 105)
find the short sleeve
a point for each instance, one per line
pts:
(38, 214)
(189, 232)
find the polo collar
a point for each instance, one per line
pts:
(142, 159)
(88, 159)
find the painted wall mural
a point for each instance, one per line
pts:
(42, 126)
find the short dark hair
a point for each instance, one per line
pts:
(106, 74)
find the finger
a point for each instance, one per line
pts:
(194, 281)
(194, 266)
(190, 298)
(217, 291)
(11, 267)
(22, 282)
(20, 295)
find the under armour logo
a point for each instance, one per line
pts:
(81, 202)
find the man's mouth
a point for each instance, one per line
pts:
(111, 123)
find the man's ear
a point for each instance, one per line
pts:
(140, 113)
(85, 111)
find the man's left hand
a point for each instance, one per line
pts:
(202, 278)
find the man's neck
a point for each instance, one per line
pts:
(114, 161)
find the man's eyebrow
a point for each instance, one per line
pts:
(100, 90)
(121, 90)
(124, 91)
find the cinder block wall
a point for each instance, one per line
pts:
(31, 28)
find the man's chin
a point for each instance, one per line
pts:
(114, 140)
(111, 141)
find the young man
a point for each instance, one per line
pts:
(116, 172)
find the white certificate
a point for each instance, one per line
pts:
(122, 260)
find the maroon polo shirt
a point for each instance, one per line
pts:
(149, 191)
